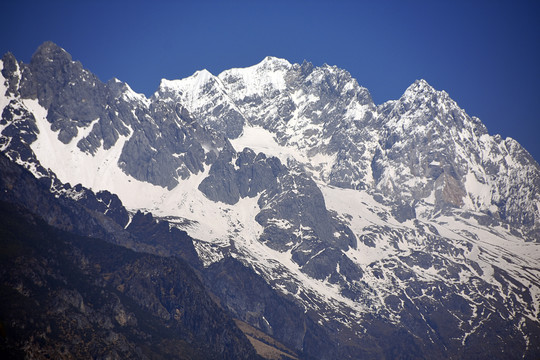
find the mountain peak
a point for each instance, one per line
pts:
(49, 51)
(273, 62)
(420, 86)
(270, 58)
(9, 58)
(203, 75)
(422, 89)
(48, 45)
(196, 81)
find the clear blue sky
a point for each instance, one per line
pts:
(485, 54)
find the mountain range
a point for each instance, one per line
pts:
(272, 211)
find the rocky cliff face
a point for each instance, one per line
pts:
(404, 221)
(68, 296)
(94, 115)
(432, 150)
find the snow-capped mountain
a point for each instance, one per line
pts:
(420, 147)
(404, 220)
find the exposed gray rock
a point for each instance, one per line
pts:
(10, 72)
(403, 212)
(65, 295)
(250, 175)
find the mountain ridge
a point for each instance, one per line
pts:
(346, 208)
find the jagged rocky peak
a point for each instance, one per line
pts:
(52, 69)
(328, 83)
(422, 105)
(200, 93)
(418, 97)
(266, 78)
(269, 94)
(49, 52)
(420, 86)
(153, 141)
(431, 149)
(421, 91)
